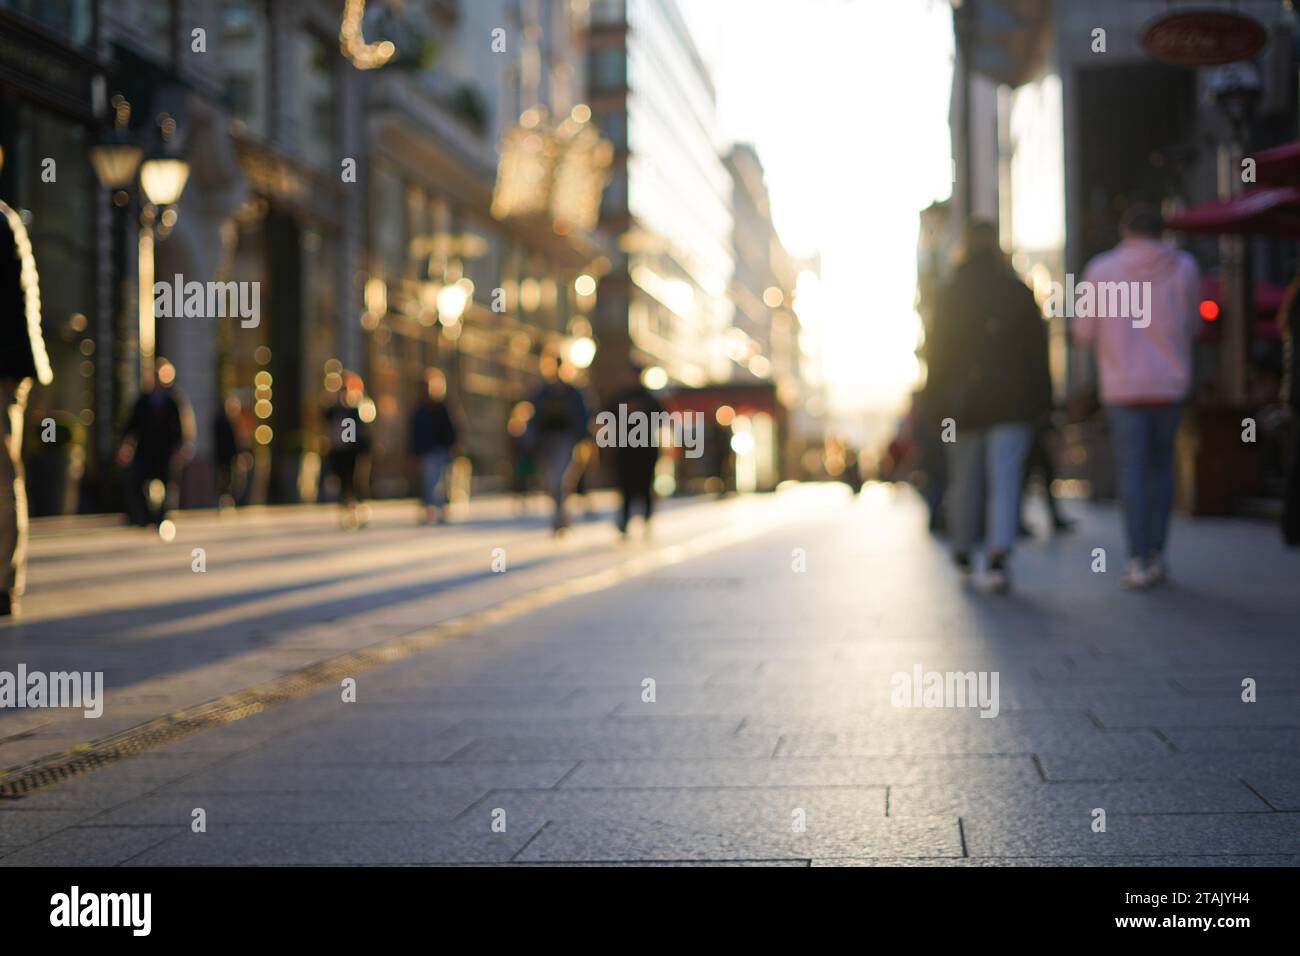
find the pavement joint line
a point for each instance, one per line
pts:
(19, 781)
(1245, 783)
(515, 856)
(567, 774)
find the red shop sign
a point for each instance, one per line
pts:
(1203, 37)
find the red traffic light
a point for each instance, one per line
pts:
(1209, 310)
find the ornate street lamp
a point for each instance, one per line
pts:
(162, 181)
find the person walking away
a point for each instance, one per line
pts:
(1145, 376)
(559, 424)
(522, 467)
(433, 434)
(635, 467)
(989, 362)
(22, 361)
(347, 441)
(152, 441)
(228, 448)
(1039, 461)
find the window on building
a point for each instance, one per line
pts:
(155, 23)
(244, 31)
(608, 69)
(318, 100)
(74, 20)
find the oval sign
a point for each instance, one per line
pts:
(1203, 38)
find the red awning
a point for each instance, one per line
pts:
(1268, 295)
(1269, 211)
(1279, 166)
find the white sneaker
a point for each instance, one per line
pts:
(1157, 570)
(1136, 577)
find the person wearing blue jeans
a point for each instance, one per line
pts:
(433, 435)
(1144, 445)
(988, 383)
(987, 470)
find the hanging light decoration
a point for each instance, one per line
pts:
(352, 41)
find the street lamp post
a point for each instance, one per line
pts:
(162, 180)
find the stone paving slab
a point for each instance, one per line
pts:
(805, 771)
(1132, 834)
(328, 806)
(334, 844)
(89, 846)
(1148, 797)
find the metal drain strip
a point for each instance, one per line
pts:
(24, 779)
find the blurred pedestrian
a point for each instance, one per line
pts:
(522, 465)
(228, 445)
(1145, 376)
(1039, 462)
(931, 462)
(558, 425)
(989, 361)
(153, 443)
(635, 467)
(433, 434)
(586, 455)
(22, 361)
(347, 442)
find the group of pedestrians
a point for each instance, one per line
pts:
(558, 438)
(989, 394)
(550, 435)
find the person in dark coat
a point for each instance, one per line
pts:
(635, 467)
(433, 434)
(228, 445)
(988, 361)
(22, 361)
(347, 443)
(559, 424)
(154, 435)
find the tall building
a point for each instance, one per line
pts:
(342, 159)
(667, 206)
(436, 136)
(763, 342)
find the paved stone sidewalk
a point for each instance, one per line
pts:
(771, 737)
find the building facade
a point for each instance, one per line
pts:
(664, 303)
(349, 197)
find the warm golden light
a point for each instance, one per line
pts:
(363, 55)
(654, 378)
(163, 180)
(582, 352)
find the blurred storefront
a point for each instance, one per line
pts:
(1047, 154)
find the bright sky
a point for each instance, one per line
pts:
(847, 103)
